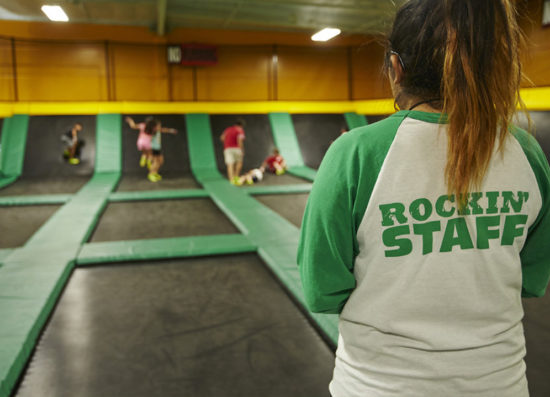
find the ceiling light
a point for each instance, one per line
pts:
(55, 13)
(325, 34)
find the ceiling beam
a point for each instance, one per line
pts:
(161, 17)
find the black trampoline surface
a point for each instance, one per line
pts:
(536, 324)
(161, 219)
(315, 133)
(18, 224)
(216, 326)
(44, 149)
(176, 171)
(289, 206)
(45, 185)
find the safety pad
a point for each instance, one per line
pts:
(4, 253)
(7, 180)
(120, 251)
(9, 201)
(157, 195)
(274, 189)
(14, 138)
(303, 172)
(354, 120)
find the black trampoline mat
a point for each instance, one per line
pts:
(45, 185)
(289, 206)
(44, 148)
(315, 133)
(170, 180)
(161, 219)
(216, 326)
(536, 324)
(18, 224)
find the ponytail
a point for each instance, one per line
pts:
(481, 80)
(465, 52)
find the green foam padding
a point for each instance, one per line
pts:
(354, 120)
(8, 201)
(108, 143)
(276, 238)
(4, 253)
(158, 195)
(202, 157)
(284, 136)
(7, 180)
(303, 172)
(33, 276)
(14, 138)
(178, 247)
(276, 189)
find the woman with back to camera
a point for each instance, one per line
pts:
(424, 230)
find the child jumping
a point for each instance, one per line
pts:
(143, 141)
(73, 144)
(154, 127)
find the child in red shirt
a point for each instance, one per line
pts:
(275, 163)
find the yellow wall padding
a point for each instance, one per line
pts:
(60, 71)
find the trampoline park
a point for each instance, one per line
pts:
(111, 285)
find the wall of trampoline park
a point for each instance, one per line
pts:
(75, 62)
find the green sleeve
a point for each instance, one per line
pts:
(336, 206)
(535, 255)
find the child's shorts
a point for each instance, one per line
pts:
(232, 155)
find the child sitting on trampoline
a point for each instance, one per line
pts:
(251, 177)
(73, 144)
(143, 141)
(275, 163)
(154, 127)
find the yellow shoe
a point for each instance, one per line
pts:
(159, 176)
(149, 163)
(143, 161)
(280, 172)
(152, 178)
(74, 161)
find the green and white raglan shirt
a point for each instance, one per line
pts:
(429, 299)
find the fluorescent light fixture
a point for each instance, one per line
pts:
(325, 34)
(55, 13)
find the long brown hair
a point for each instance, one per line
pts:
(467, 54)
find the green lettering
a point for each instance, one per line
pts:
(389, 237)
(516, 203)
(484, 233)
(472, 204)
(415, 211)
(391, 213)
(462, 237)
(511, 229)
(440, 206)
(493, 198)
(426, 230)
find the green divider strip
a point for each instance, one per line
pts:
(284, 136)
(281, 189)
(120, 251)
(33, 276)
(14, 138)
(276, 238)
(108, 143)
(354, 120)
(4, 253)
(158, 195)
(8, 180)
(9, 201)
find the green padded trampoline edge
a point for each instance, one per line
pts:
(7, 180)
(278, 189)
(177, 247)
(354, 120)
(303, 172)
(14, 138)
(9, 201)
(285, 138)
(157, 195)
